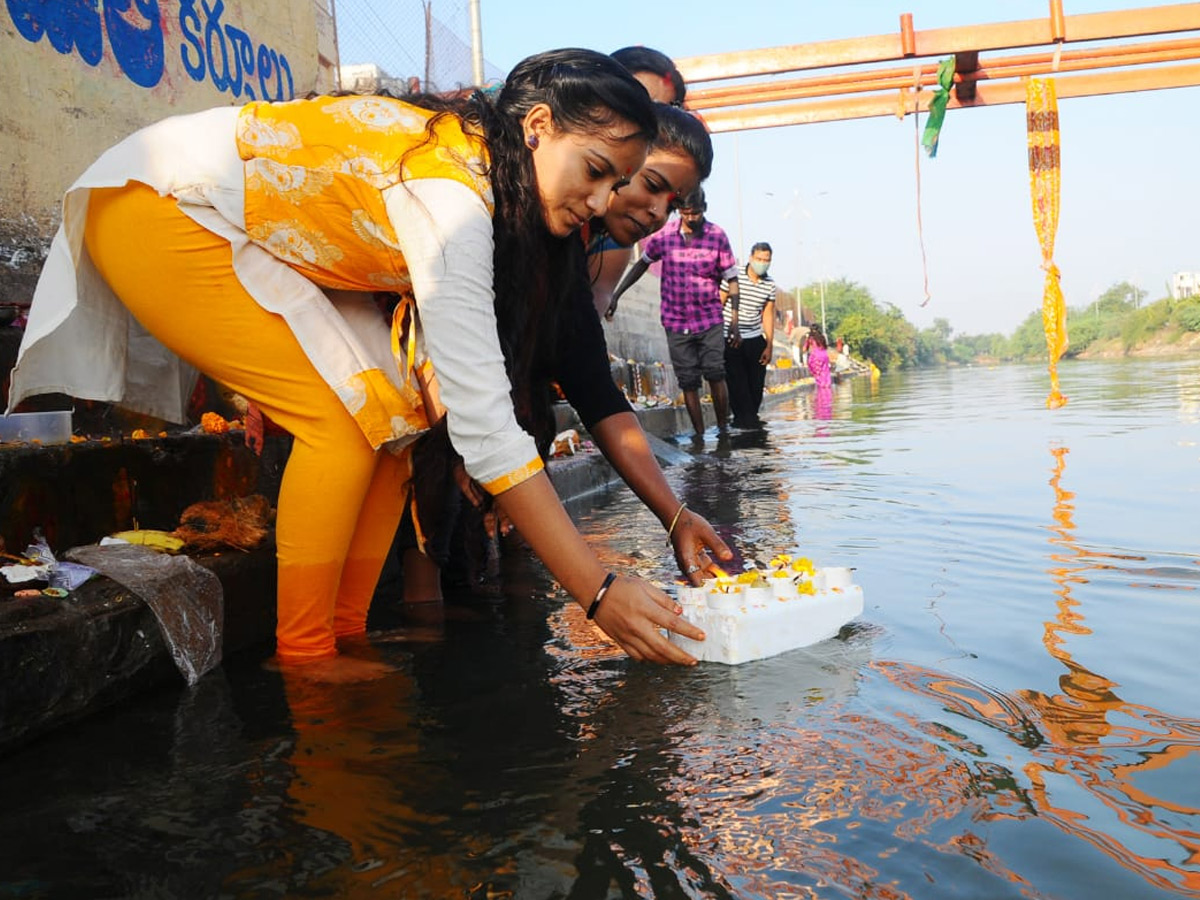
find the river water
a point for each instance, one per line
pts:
(1014, 715)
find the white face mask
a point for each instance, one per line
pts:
(759, 268)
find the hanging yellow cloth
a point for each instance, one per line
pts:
(1041, 115)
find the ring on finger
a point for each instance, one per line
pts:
(692, 568)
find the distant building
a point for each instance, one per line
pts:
(1185, 284)
(369, 78)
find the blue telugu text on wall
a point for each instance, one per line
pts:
(214, 51)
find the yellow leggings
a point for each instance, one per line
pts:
(340, 501)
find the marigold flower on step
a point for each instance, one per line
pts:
(213, 423)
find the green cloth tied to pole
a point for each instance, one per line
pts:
(937, 106)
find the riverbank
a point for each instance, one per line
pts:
(1160, 344)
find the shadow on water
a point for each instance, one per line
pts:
(1008, 719)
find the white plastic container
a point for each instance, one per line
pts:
(43, 427)
(758, 595)
(837, 577)
(739, 631)
(726, 597)
(784, 588)
(691, 597)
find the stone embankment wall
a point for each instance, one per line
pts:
(636, 332)
(79, 77)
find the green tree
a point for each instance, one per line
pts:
(883, 335)
(869, 336)
(967, 348)
(1029, 340)
(933, 344)
(1119, 298)
(878, 333)
(1139, 324)
(1083, 330)
(842, 298)
(1187, 314)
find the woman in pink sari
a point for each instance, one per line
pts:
(818, 358)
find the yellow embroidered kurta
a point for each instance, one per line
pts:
(345, 192)
(316, 173)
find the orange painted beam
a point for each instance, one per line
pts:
(1178, 17)
(899, 103)
(894, 78)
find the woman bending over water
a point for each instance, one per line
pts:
(245, 217)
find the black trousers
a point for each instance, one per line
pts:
(745, 377)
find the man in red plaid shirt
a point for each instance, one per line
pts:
(696, 260)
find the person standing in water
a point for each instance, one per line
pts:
(251, 219)
(747, 356)
(697, 259)
(818, 357)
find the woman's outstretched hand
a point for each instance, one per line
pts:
(697, 547)
(632, 614)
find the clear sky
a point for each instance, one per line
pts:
(839, 200)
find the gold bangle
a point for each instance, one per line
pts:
(675, 521)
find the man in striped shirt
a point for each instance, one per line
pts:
(751, 332)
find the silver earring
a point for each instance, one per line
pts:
(532, 141)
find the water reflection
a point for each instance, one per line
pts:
(1102, 758)
(1090, 750)
(822, 403)
(684, 765)
(765, 790)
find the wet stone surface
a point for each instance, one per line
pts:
(62, 659)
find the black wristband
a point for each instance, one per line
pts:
(608, 580)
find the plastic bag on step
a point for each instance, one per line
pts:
(186, 598)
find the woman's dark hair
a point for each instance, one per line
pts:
(817, 336)
(644, 59)
(682, 131)
(695, 201)
(761, 247)
(585, 91)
